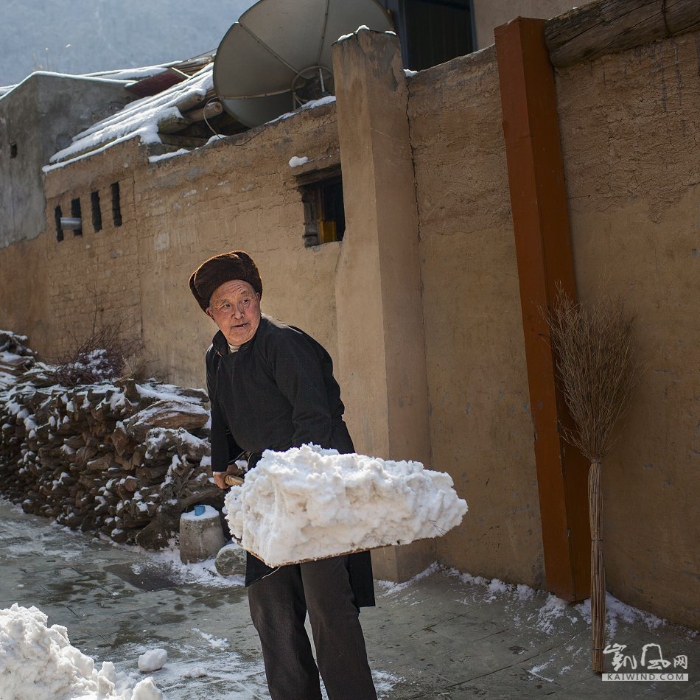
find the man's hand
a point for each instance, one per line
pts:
(233, 476)
(219, 479)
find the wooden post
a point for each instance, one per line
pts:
(544, 258)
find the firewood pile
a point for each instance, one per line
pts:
(124, 459)
(15, 356)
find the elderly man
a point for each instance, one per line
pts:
(272, 387)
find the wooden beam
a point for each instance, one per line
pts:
(616, 25)
(171, 123)
(544, 258)
(209, 111)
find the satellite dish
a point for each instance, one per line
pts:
(278, 55)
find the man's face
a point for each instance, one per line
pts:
(235, 308)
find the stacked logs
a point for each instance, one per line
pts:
(123, 459)
(15, 356)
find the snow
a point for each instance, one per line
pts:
(97, 363)
(6, 380)
(208, 514)
(39, 663)
(393, 588)
(161, 392)
(535, 671)
(9, 358)
(129, 74)
(197, 573)
(549, 614)
(214, 642)
(152, 660)
(114, 78)
(144, 690)
(296, 161)
(311, 104)
(617, 610)
(554, 611)
(165, 156)
(362, 27)
(309, 503)
(138, 119)
(169, 405)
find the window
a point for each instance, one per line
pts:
(13, 150)
(96, 211)
(57, 216)
(116, 205)
(324, 213)
(432, 31)
(75, 214)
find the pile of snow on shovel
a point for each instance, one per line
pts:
(309, 503)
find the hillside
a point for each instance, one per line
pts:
(85, 36)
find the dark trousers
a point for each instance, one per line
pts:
(279, 604)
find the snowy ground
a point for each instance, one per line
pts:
(201, 664)
(441, 635)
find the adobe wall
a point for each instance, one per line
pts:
(481, 429)
(24, 291)
(630, 130)
(234, 194)
(177, 212)
(92, 279)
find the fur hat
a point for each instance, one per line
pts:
(212, 273)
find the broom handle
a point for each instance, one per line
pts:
(595, 504)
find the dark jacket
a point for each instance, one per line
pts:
(277, 392)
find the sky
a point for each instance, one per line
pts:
(86, 36)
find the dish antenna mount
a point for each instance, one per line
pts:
(277, 56)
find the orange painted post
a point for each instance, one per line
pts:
(544, 257)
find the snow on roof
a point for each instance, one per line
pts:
(99, 78)
(130, 73)
(138, 119)
(123, 75)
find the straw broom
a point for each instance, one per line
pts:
(597, 373)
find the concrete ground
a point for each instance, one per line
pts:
(440, 635)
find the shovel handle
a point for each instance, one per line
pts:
(232, 480)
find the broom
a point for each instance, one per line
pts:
(597, 373)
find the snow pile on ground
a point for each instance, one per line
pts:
(39, 663)
(309, 503)
(152, 660)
